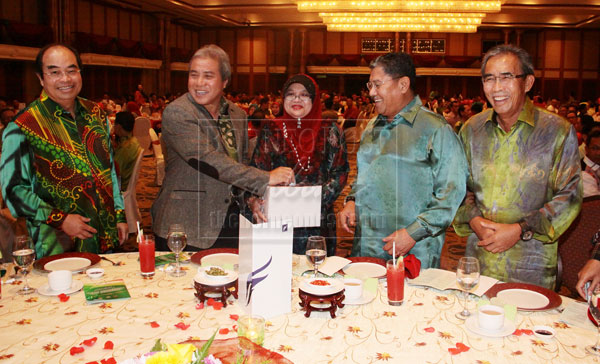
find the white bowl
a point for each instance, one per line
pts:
(544, 332)
(95, 273)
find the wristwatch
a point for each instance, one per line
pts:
(348, 199)
(526, 232)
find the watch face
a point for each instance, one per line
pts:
(527, 235)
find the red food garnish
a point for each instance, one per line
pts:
(320, 282)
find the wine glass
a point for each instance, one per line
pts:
(23, 256)
(177, 240)
(316, 250)
(467, 277)
(594, 303)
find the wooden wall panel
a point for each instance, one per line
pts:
(227, 42)
(351, 43)
(124, 25)
(333, 43)
(31, 10)
(207, 37)
(571, 50)
(455, 45)
(11, 10)
(260, 48)
(591, 39)
(136, 23)
(112, 19)
(281, 46)
(314, 40)
(98, 19)
(84, 22)
(553, 49)
(474, 44)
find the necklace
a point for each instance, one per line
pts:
(285, 135)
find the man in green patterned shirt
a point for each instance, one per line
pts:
(524, 188)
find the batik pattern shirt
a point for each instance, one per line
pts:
(329, 169)
(412, 175)
(530, 173)
(53, 165)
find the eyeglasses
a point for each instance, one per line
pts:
(56, 74)
(504, 78)
(303, 97)
(377, 85)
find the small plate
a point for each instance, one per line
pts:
(335, 286)
(223, 256)
(544, 332)
(221, 279)
(76, 262)
(526, 297)
(367, 296)
(46, 291)
(203, 279)
(363, 270)
(473, 325)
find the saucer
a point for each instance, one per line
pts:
(473, 325)
(46, 291)
(367, 296)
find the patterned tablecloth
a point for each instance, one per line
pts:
(40, 329)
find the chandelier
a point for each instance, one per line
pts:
(458, 16)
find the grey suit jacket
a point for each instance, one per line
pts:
(199, 173)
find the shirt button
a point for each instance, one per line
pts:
(226, 200)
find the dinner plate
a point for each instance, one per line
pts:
(473, 325)
(335, 287)
(526, 297)
(46, 291)
(217, 256)
(76, 262)
(203, 279)
(363, 270)
(367, 296)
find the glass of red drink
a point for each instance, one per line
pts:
(395, 282)
(146, 247)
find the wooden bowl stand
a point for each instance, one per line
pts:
(224, 291)
(334, 300)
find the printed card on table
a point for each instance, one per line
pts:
(265, 267)
(301, 204)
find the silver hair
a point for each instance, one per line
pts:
(522, 55)
(217, 53)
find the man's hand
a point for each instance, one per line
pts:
(404, 242)
(348, 217)
(479, 230)
(503, 237)
(281, 176)
(123, 230)
(256, 205)
(75, 227)
(589, 272)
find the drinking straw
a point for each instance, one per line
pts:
(139, 237)
(394, 253)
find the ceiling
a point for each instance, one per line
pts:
(284, 13)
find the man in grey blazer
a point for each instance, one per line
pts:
(206, 139)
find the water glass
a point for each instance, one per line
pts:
(467, 277)
(316, 250)
(177, 240)
(23, 256)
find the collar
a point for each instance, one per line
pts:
(223, 107)
(526, 115)
(408, 113)
(53, 105)
(590, 163)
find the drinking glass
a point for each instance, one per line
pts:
(467, 276)
(316, 250)
(177, 240)
(594, 303)
(23, 256)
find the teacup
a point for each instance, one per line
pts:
(490, 317)
(353, 288)
(60, 280)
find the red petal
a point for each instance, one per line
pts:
(234, 317)
(109, 345)
(210, 301)
(462, 347)
(92, 362)
(200, 306)
(429, 329)
(518, 332)
(454, 351)
(108, 361)
(76, 350)
(90, 342)
(63, 297)
(154, 324)
(224, 331)
(182, 326)
(217, 306)
(527, 332)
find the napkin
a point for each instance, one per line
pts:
(412, 266)
(333, 264)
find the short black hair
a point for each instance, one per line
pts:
(125, 119)
(476, 108)
(594, 134)
(397, 65)
(39, 65)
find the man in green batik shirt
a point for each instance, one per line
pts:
(57, 169)
(525, 186)
(412, 171)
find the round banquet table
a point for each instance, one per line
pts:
(41, 329)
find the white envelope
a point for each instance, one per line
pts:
(265, 267)
(301, 204)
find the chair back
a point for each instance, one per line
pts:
(132, 211)
(574, 246)
(141, 130)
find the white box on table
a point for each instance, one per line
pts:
(265, 267)
(301, 204)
